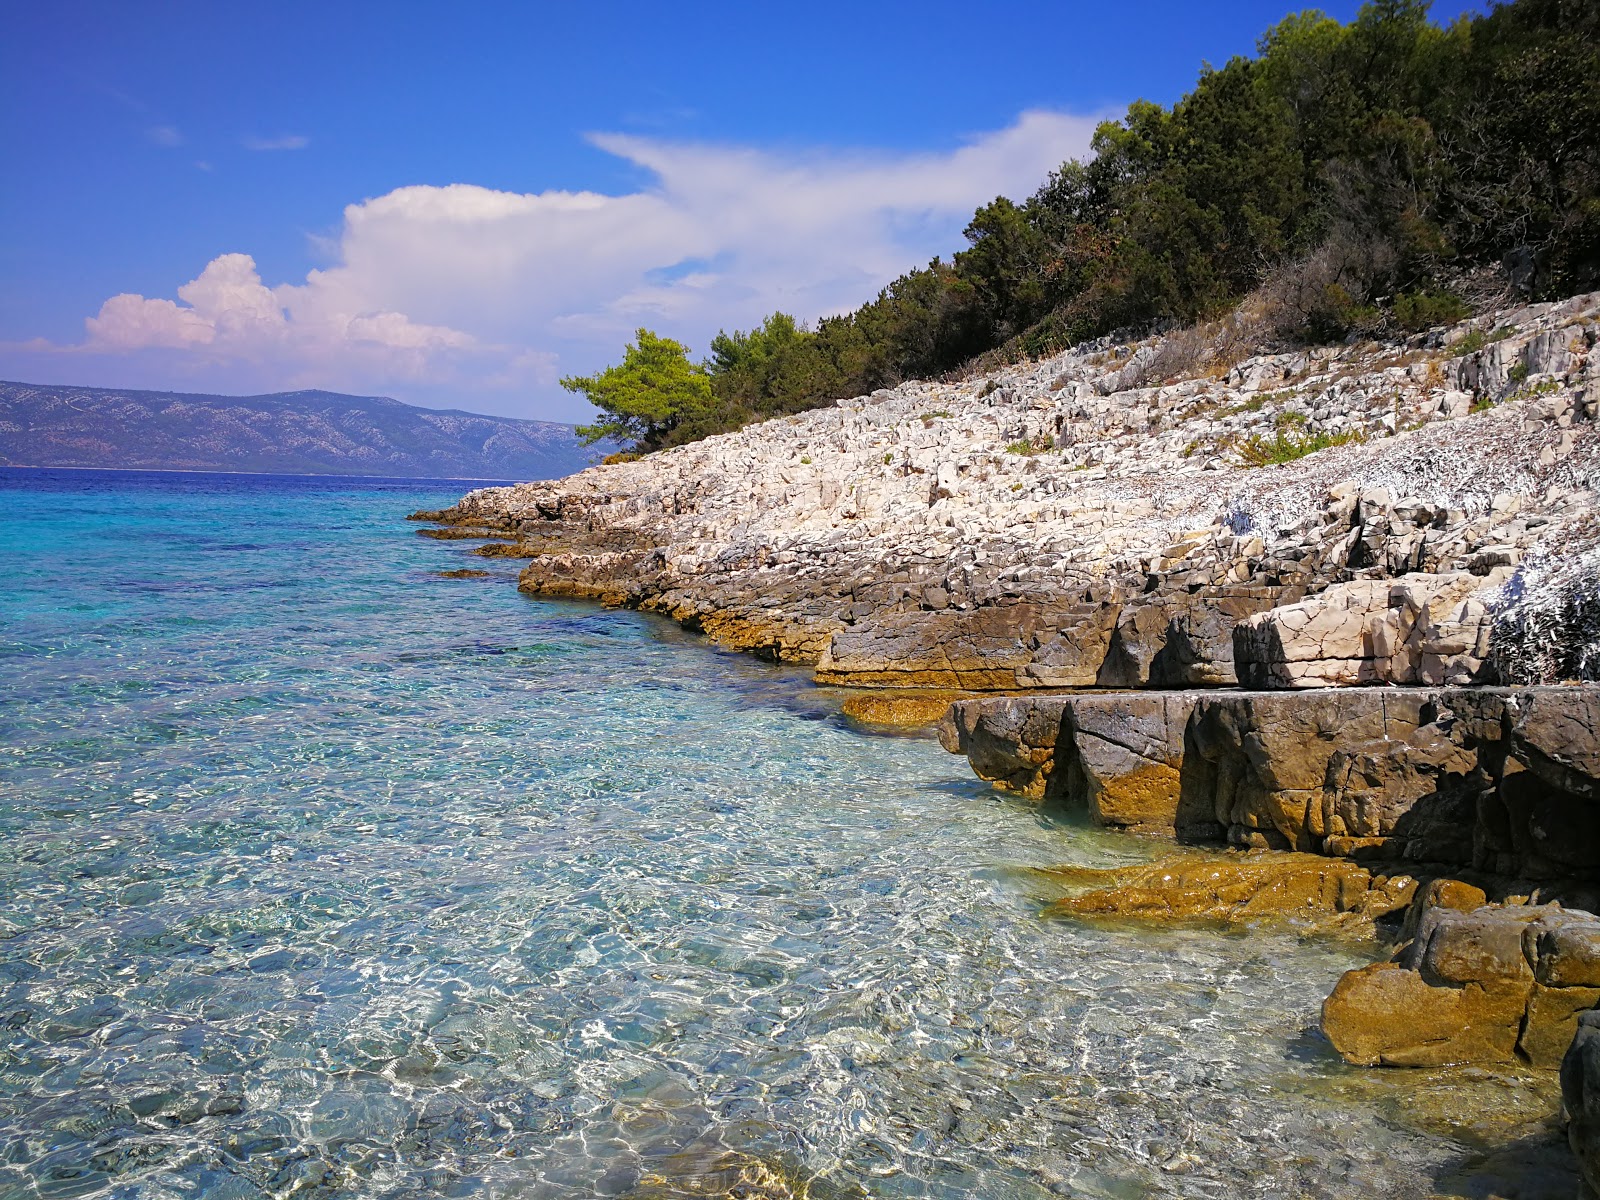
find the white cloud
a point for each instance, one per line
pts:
(229, 317)
(164, 135)
(460, 291)
(284, 141)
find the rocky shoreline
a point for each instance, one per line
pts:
(1343, 603)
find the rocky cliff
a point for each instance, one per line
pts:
(1077, 522)
(1498, 781)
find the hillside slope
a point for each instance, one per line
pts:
(309, 432)
(1067, 524)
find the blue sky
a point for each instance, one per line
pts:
(455, 205)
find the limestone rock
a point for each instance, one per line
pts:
(1580, 1095)
(1503, 781)
(1114, 756)
(1418, 629)
(1470, 987)
(1387, 1016)
(1233, 887)
(894, 540)
(1010, 742)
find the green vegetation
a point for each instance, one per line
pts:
(654, 392)
(1284, 447)
(1352, 177)
(1543, 388)
(1036, 446)
(1423, 310)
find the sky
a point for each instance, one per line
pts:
(457, 205)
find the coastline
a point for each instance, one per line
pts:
(259, 474)
(1444, 545)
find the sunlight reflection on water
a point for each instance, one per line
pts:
(320, 872)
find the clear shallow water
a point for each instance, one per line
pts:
(322, 875)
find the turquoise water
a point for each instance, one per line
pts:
(322, 875)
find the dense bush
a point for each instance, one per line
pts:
(1350, 176)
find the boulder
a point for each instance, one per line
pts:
(1498, 983)
(1114, 756)
(1431, 629)
(1580, 1095)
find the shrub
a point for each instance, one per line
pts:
(1026, 447)
(1285, 447)
(1416, 311)
(621, 456)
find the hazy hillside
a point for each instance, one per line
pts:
(292, 432)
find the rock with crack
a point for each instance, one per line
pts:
(1501, 780)
(1114, 756)
(1431, 629)
(1499, 983)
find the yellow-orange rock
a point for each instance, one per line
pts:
(1498, 983)
(1233, 887)
(1385, 1015)
(904, 709)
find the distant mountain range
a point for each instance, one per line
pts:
(313, 433)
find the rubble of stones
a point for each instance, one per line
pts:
(1066, 523)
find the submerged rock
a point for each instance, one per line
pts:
(906, 710)
(1233, 887)
(695, 1174)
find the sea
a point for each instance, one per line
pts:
(324, 875)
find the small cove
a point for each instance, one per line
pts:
(321, 872)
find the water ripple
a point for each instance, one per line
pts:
(322, 876)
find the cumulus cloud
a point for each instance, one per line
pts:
(460, 290)
(284, 141)
(228, 316)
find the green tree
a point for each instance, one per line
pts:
(653, 391)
